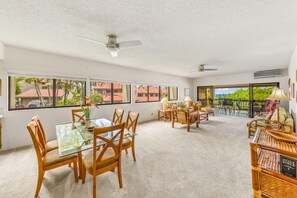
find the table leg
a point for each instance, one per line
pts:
(79, 164)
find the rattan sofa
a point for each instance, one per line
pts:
(269, 120)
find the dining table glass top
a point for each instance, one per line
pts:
(74, 137)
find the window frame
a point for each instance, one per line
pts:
(160, 92)
(54, 96)
(169, 99)
(111, 92)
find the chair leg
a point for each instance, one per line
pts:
(133, 152)
(120, 174)
(39, 182)
(83, 175)
(126, 150)
(94, 186)
(75, 171)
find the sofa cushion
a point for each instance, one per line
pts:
(282, 115)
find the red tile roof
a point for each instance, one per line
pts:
(31, 93)
(99, 86)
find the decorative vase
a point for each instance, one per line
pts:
(87, 122)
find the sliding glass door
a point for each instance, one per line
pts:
(204, 95)
(248, 98)
(258, 95)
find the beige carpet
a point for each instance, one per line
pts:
(212, 161)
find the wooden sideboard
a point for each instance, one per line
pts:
(267, 179)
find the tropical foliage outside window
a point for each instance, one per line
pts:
(259, 93)
(110, 93)
(35, 92)
(232, 93)
(73, 92)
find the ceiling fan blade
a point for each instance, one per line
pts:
(210, 69)
(129, 43)
(92, 40)
(193, 71)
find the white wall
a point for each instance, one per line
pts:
(27, 61)
(293, 75)
(242, 78)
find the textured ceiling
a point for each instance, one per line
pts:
(233, 36)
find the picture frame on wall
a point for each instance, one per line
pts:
(187, 92)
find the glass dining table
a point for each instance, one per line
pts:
(73, 138)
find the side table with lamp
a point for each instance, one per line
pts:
(164, 113)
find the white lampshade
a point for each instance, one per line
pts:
(278, 94)
(164, 100)
(188, 99)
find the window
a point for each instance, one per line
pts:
(164, 91)
(233, 93)
(173, 93)
(141, 93)
(121, 93)
(35, 92)
(69, 92)
(110, 93)
(153, 93)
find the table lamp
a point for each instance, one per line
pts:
(165, 103)
(278, 95)
(188, 100)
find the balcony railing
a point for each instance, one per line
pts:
(238, 107)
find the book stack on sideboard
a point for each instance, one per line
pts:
(273, 164)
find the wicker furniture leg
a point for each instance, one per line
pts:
(255, 174)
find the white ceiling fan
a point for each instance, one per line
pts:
(201, 68)
(112, 45)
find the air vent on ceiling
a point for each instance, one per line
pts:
(267, 73)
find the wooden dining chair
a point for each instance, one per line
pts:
(118, 116)
(77, 115)
(131, 123)
(49, 145)
(106, 158)
(47, 160)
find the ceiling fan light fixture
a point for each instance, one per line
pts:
(114, 53)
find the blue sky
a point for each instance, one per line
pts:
(226, 90)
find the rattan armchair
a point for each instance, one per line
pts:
(184, 116)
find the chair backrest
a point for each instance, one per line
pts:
(109, 143)
(118, 116)
(131, 121)
(34, 131)
(42, 137)
(182, 116)
(77, 113)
